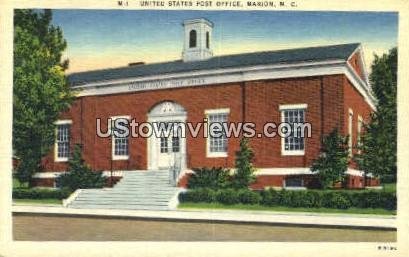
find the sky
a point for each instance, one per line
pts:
(99, 39)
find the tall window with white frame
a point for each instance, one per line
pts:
(217, 138)
(350, 120)
(358, 133)
(62, 143)
(294, 143)
(120, 141)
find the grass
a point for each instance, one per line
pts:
(244, 207)
(38, 201)
(389, 187)
(17, 184)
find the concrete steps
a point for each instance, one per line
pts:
(137, 190)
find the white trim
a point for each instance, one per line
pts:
(291, 152)
(350, 130)
(292, 106)
(57, 123)
(113, 155)
(216, 111)
(62, 122)
(215, 154)
(152, 141)
(50, 174)
(359, 127)
(47, 174)
(71, 198)
(354, 172)
(361, 62)
(116, 82)
(217, 76)
(284, 171)
(258, 172)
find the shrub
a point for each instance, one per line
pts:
(248, 197)
(36, 193)
(270, 197)
(308, 199)
(333, 160)
(214, 178)
(244, 174)
(227, 196)
(198, 195)
(79, 175)
(339, 202)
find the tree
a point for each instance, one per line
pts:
(244, 174)
(80, 175)
(379, 142)
(333, 160)
(41, 91)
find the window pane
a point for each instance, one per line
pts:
(175, 144)
(63, 141)
(294, 142)
(218, 143)
(121, 144)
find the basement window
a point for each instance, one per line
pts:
(294, 182)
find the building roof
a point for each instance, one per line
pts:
(289, 56)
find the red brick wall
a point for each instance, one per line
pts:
(323, 95)
(354, 61)
(355, 101)
(262, 105)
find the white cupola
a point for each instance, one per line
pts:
(197, 43)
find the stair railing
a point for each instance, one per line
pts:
(175, 168)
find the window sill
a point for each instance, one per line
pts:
(61, 160)
(216, 155)
(120, 157)
(293, 153)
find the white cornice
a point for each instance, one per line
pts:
(230, 75)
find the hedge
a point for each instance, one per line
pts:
(37, 193)
(302, 198)
(213, 178)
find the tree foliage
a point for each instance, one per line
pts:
(244, 174)
(80, 175)
(41, 91)
(379, 142)
(333, 160)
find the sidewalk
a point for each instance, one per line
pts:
(262, 217)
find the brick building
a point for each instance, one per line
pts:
(326, 86)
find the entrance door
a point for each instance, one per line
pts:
(169, 151)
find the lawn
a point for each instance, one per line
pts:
(17, 184)
(243, 207)
(390, 187)
(38, 201)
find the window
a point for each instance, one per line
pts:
(359, 131)
(62, 142)
(120, 141)
(294, 144)
(175, 144)
(350, 118)
(207, 40)
(217, 138)
(192, 38)
(294, 182)
(163, 144)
